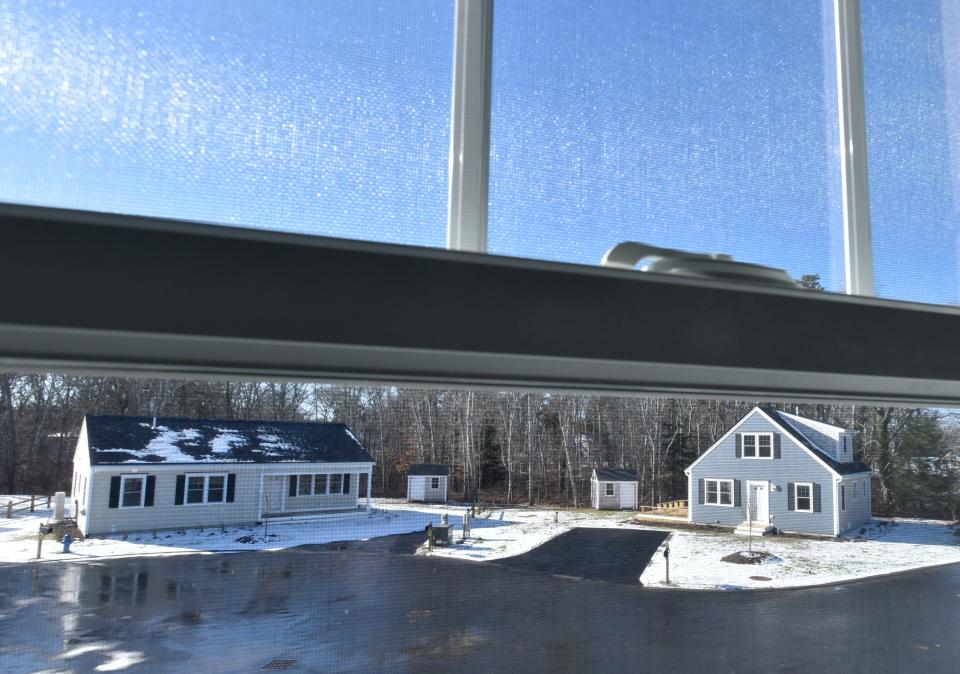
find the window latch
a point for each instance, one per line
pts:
(713, 266)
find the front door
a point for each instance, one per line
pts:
(759, 502)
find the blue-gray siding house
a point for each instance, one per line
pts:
(782, 472)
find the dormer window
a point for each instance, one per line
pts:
(757, 445)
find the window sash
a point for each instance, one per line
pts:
(609, 489)
(434, 482)
(803, 502)
(336, 483)
(132, 491)
(718, 492)
(320, 483)
(749, 445)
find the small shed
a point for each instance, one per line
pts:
(427, 482)
(613, 489)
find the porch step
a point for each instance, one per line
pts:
(758, 529)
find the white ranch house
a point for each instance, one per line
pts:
(148, 473)
(775, 471)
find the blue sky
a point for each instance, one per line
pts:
(705, 126)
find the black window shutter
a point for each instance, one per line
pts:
(114, 491)
(816, 497)
(151, 487)
(701, 491)
(231, 486)
(293, 486)
(738, 444)
(346, 483)
(776, 445)
(791, 502)
(736, 493)
(178, 494)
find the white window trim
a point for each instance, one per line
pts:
(326, 484)
(143, 489)
(434, 479)
(206, 489)
(756, 439)
(718, 480)
(796, 493)
(608, 489)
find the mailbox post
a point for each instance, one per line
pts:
(44, 530)
(666, 559)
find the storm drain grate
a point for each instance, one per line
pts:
(278, 664)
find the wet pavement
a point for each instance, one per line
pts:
(613, 555)
(361, 611)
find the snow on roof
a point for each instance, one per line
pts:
(133, 440)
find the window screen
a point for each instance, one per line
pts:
(911, 55)
(709, 127)
(323, 118)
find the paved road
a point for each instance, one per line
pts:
(353, 611)
(613, 555)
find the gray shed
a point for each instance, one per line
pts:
(613, 489)
(428, 482)
(146, 473)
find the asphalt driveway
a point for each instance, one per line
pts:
(352, 611)
(613, 555)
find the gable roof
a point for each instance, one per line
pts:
(429, 469)
(614, 475)
(780, 421)
(839, 467)
(167, 440)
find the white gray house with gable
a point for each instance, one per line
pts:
(780, 472)
(149, 473)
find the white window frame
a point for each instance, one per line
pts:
(434, 482)
(143, 489)
(326, 484)
(206, 489)
(718, 480)
(756, 445)
(608, 489)
(796, 496)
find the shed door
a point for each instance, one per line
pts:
(627, 495)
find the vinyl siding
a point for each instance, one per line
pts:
(603, 502)
(419, 489)
(164, 514)
(794, 465)
(858, 510)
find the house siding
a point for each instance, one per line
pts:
(858, 500)
(603, 502)
(165, 514)
(794, 465)
(419, 489)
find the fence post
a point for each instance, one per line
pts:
(9, 510)
(32, 502)
(48, 502)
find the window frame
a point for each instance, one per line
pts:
(796, 497)
(718, 491)
(124, 479)
(609, 489)
(756, 440)
(206, 489)
(434, 482)
(317, 480)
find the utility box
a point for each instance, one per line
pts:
(441, 535)
(59, 499)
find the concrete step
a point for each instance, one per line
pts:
(745, 529)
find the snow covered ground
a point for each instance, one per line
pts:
(502, 532)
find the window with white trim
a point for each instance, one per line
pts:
(207, 488)
(757, 445)
(336, 483)
(718, 492)
(320, 483)
(803, 497)
(133, 491)
(609, 488)
(434, 482)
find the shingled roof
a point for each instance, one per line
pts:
(614, 475)
(166, 440)
(429, 469)
(839, 467)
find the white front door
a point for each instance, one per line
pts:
(627, 499)
(759, 501)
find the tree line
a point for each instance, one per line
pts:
(518, 447)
